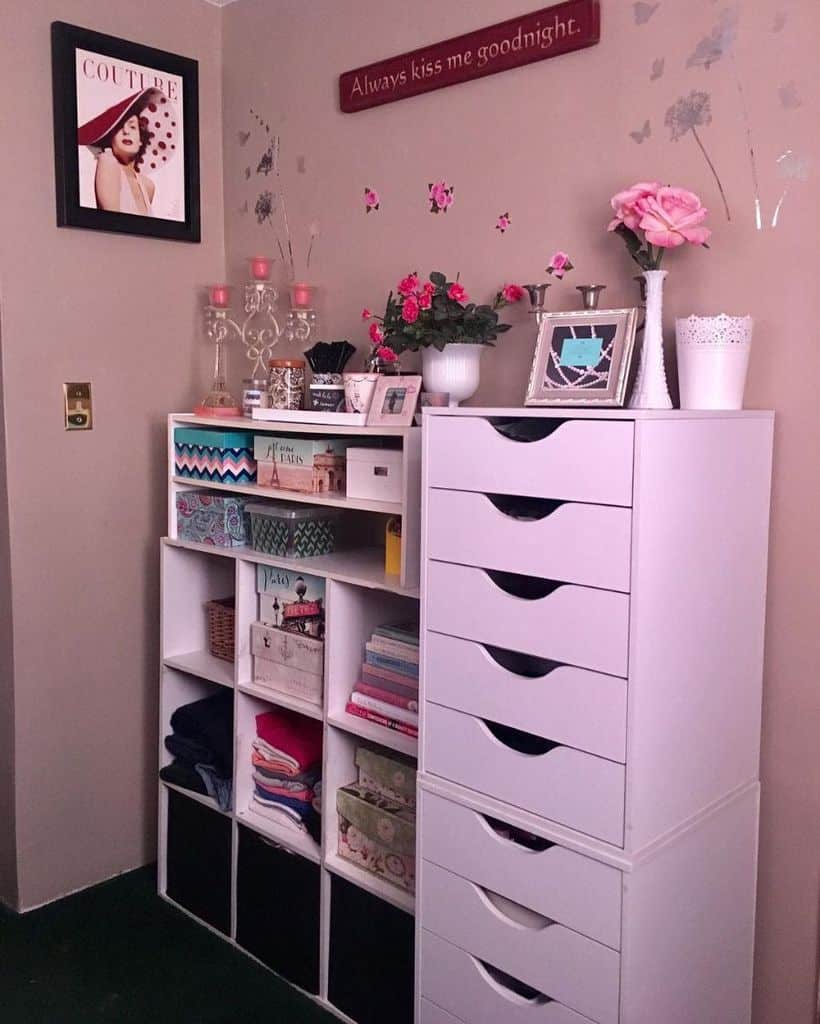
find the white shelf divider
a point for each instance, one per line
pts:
(204, 665)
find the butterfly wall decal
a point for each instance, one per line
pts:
(642, 134)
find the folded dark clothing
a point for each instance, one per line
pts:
(184, 775)
(188, 751)
(210, 722)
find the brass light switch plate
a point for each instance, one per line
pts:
(77, 398)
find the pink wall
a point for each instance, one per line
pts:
(550, 143)
(86, 509)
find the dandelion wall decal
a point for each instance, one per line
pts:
(791, 167)
(264, 207)
(687, 115)
(265, 165)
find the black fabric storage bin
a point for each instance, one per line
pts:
(277, 902)
(198, 860)
(371, 957)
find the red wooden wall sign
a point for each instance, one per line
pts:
(548, 32)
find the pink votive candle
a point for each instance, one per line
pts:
(220, 295)
(301, 295)
(260, 267)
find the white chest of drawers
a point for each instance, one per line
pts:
(593, 595)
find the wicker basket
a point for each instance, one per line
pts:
(221, 628)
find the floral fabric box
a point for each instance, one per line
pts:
(390, 776)
(219, 456)
(300, 464)
(378, 835)
(217, 519)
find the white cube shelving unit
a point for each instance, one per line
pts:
(359, 596)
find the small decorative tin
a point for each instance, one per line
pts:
(286, 383)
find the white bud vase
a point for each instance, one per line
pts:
(650, 390)
(456, 370)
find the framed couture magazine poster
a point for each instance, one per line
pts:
(126, 127)
(583, 358)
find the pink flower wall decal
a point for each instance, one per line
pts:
(440, 196)
(371, 200)
(503, 222)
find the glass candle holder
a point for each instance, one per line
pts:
(301, 295)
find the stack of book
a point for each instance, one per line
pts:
(387, 691)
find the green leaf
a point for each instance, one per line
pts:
(438, 279)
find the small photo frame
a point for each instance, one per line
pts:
(583, 358)
(394, 401)
(126, 136)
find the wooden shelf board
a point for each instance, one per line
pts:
(297, 842)
(391, 508)
(376, 733)
(286, 426)
(283, 700)
(370, 883)
(206, 801)
(203, 665)
(363, 567)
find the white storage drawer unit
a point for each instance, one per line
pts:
(593, 592)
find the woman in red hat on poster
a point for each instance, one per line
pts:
(139, 130)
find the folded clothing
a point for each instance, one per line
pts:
(300, 816)
(185, 775)
(187, 751)
(293, 735)
(283, 787)
(209, 722)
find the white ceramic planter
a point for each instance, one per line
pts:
(713, 357)
(456, 370)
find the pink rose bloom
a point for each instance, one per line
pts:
(512, 293)
(376, 334)
(371, 197)
(625, 204)
(425, 300)
(366, 314)
(410, 310)
(444, 200)
(559, 264)
(408, 285)
(456, 293)
(673, 217)
(387, 355)
(428, 289)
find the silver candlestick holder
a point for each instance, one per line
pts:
(590, 294)
(538, 296)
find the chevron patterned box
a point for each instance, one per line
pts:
(218, 456)
(289, 530)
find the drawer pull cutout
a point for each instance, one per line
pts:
(526, 665)
(512, 834)
(530, 588)
(524, 509)
(510, 912)
(526, 429)
(518, 740)
(507, 986)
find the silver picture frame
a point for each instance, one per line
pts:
(583, 357)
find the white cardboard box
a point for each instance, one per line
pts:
(374, 473)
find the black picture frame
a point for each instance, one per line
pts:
(65, 41)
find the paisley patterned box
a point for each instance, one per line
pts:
(217, 519)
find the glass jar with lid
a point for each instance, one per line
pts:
(286, 383)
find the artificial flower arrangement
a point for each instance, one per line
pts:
(668, 217)
(434, 314)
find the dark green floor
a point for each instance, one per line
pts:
(118, 953)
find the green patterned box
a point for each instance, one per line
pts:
(378, 835)
(290, 530)
(390, 776)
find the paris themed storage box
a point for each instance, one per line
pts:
(378, 835)
(219, 456)
(292, 531)
(217, 519)
(291, 599)
(288, 662)
(374, 473)
(301, 464)
(388, 775)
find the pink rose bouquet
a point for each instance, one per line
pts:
(436, 313)
(667, 217)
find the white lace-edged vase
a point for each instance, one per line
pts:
(650, 390)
